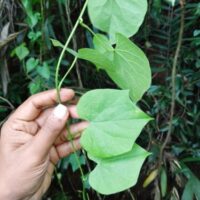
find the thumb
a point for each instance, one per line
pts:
(51, 129)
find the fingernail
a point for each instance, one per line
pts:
(60, 111)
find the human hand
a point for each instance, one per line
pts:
(32, 141)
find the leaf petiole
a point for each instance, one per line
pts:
(86, 27)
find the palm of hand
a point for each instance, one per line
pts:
(32, 143)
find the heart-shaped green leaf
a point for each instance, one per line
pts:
(119, 173)
(115, 122)
(21, 51)
(127, 65)
(115, 16)
(44, 71)
(31, 64)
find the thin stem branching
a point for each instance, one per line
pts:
(67, 73)
(64, 49)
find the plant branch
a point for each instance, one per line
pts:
(68, 71)
(87, 27)
(131, 195)
(173, 90)
(64, 49)
(8, 102)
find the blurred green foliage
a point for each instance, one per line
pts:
(27, 65)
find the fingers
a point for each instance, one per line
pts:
(65, 149)
(32, 107)
(47, 135)
(54, 157)
(23, 126)
(44, 115)
(47, 179)
(46, 183)
(73, 111)
(75, 131)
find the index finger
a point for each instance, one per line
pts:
(35, 104)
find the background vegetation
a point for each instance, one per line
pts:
(170, 36)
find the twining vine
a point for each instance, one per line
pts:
(64, 49)
(115, 119)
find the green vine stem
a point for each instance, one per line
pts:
(59, 85)
(68, 71)
(87, 27)
(131, 195)
(64, 49)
